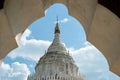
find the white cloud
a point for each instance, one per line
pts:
(64, 20)
(17, 71)
(32, 48)
(46, 11)
(89, 58)
(24, 36)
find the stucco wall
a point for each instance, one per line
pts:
(7, 39)
(104, 33)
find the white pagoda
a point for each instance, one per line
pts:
(56, 63)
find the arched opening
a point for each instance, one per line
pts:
(76, 34)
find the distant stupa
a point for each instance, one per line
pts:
(56, 63)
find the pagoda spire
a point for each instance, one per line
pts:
(57, 30)
(57, 45)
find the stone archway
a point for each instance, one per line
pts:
(101, 25)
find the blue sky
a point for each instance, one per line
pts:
(36, 39)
